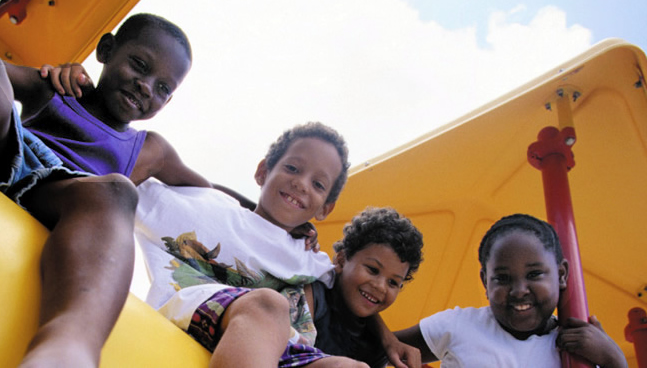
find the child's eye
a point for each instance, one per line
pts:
(372, 270)
(534, 274)
(164, 89)
(139, 64)
(501, 279)
(319, 185)
(395, 284)
(291, 168)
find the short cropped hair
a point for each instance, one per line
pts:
(383, 225)
(134, 25)
(312, 130)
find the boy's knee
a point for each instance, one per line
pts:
(108, 190)
(267, 302)
(121, 188)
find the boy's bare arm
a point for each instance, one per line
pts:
(159, 159)
(589, 341)
(413, 337)
(400, 355)
(29, 88)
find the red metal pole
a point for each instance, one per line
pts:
(552, 155)
(636, 332)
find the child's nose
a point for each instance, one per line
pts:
(379, 283)
(144, 87)
(519, 288)
(298, 184)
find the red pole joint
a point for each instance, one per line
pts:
(636, 333)
(551, 140)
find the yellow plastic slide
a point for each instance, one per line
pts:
(141, 338)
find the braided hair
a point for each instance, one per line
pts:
(520, 222)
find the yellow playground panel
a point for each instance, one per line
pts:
(35, 32)
(453, 183)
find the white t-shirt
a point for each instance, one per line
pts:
(471, 337)
(196, 240)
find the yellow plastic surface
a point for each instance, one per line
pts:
(59, 31)
(141, 338)
(454, 182)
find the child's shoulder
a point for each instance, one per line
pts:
(30, 89)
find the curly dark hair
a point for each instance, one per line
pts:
(312, 130)
(383, 225)
(134, 25)
(520, 222)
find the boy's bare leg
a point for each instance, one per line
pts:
(255, 331)
(86, 265)
(337, 362)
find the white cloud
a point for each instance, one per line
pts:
(369, 68)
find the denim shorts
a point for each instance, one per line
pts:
(31, 162)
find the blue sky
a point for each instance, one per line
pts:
(626, 19)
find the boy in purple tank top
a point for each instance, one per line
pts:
(87, 262)
(143, 64)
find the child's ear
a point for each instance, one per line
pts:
(563, 274)
(324, 211)
(483, 279)
(261, 172)
(339, 260)
(105, 47)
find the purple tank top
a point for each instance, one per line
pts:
(83, 142)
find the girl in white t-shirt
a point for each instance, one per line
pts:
(523, 272)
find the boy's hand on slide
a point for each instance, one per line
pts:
(402, 355)
(67, 79)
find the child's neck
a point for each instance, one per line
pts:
(545, 329)
(93, 103)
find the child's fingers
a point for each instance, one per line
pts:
(65, 80)
(312, 244)
(44, 70)
(575, 322)
(48, 71)
(595, 322)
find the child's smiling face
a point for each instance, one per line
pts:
(140, 75)
(371, 279)
(523, 282)
(297, 187)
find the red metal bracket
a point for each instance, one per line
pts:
(17, 10)
(552, 141)
(636, 333)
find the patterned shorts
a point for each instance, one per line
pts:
(206, 320)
